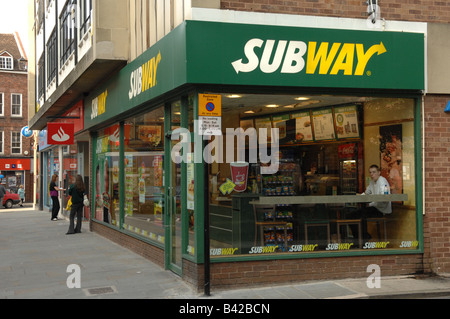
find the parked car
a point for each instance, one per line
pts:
(10, 199)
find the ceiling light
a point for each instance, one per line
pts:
(272, 105)
(249, 112)
(233, 96)
(302, 98)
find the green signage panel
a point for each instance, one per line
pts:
(240, 54)
(155, 72)
(200, 52)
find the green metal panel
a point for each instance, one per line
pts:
(156, 71)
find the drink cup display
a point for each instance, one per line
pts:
(239, 174)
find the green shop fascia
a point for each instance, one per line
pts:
(201, 57)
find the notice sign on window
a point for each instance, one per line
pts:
(209, 114)
(210, 125)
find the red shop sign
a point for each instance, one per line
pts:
(60, 133)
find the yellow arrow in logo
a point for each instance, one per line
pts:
(227, 187)
(363, 58)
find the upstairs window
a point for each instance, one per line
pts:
(2, 98)
(16, 105)
(16, 143)
(1, 142)
(67, 30)
(52, 57)
(6, 62)
(85, 16)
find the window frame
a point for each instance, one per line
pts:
(52, 57)
(2, 104)
(15, 142)
(85, 16)
(2, 142)
(6, 61)
(67, 32)
(20, 106)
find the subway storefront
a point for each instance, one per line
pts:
(268, 134)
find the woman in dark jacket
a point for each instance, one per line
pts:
(77, 192)
(54, 189)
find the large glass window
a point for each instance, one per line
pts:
(328, 150)
(106, 171)
(144, 175)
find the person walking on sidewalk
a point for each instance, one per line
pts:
(77, 192)
(2, 193)
(54, 195)
(21, 193)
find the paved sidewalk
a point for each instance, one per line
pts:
(35, 254)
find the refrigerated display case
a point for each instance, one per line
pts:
(348, 168)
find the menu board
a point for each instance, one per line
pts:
(279, 121)
(303, 129)
(323, 124)
(264, 122)
(346, 121)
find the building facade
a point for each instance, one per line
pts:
(16, 148)
(228, 140)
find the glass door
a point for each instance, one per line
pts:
(174, 197)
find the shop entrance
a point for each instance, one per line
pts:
(174, 199)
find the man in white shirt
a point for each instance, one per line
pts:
(378, 185)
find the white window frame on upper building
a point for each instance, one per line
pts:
(6, 61)
(13, 142)
(20, 105)
(2, 104)
(2, 142)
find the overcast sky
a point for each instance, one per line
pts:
(13, 17)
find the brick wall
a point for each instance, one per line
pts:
(16, 83)
(415, 10)
(254, 273)
(436, 221)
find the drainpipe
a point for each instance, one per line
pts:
(423, 154)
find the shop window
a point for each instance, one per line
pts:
(106, 168)
(144, 172)
(324, 147)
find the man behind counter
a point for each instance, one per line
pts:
(378, 185)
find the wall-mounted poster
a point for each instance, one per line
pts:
(303, 129)
(391, 156)
(323, 124)
(346, 118)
